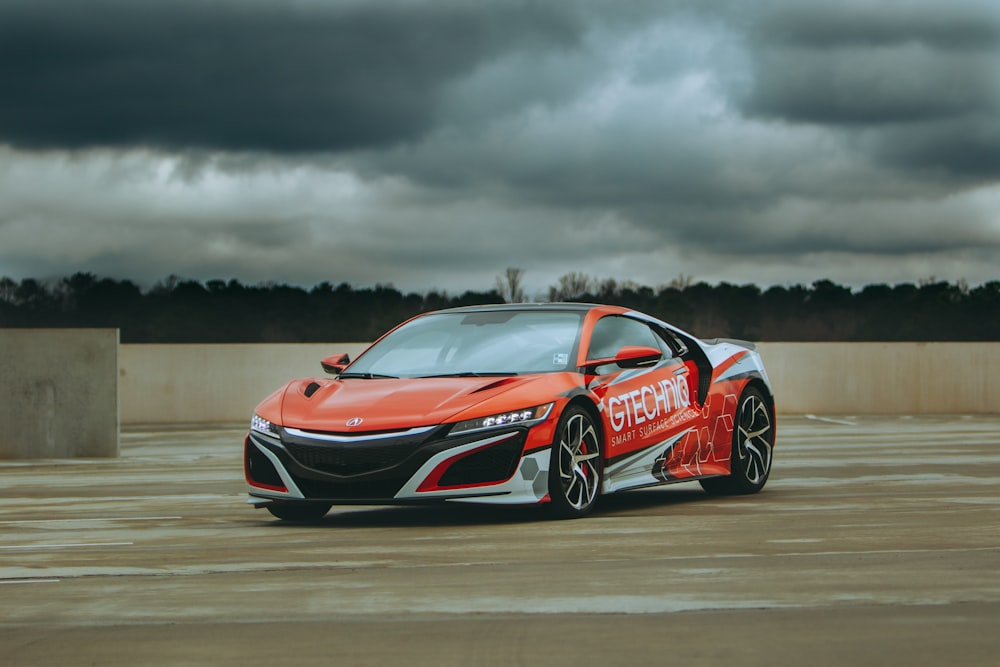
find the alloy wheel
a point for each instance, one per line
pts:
(579, 464)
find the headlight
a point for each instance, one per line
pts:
(258, 423)
(526, 417)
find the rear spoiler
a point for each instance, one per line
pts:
(732, 341)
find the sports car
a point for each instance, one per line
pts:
(554, 404)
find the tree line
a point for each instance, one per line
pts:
(217, 311)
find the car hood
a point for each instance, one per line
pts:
(392, 404)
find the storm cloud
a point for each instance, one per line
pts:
(244, 75)
(432, 143)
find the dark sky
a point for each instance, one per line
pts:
(432, 143)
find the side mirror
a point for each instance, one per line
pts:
(630, 356)
(335, 363)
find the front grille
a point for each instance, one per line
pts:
(350, 459)
(354, 455)
(493, 464)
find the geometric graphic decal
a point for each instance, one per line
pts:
(710, 443)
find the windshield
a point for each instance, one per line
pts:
(501, 342)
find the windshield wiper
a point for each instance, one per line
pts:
(365, 376)
(471, 374)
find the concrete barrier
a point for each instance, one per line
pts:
(58, 393)
(213, 383)
(884, 378)
(64, 392)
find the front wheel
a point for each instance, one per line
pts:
(753, 439)
(299, 511)
(576, 469)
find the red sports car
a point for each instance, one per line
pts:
(515, 404)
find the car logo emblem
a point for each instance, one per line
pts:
(356, 421)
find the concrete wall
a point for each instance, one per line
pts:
(212, 383)
(58, 393)
(63, 392)
(884, 378)
(207, 383)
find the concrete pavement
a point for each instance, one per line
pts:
(876, 542)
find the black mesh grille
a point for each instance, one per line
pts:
(349, 459)
(493, 464)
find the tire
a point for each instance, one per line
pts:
(299, 511)
(576, 468)
(753, 441)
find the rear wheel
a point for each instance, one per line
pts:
(576, 469)
(301, 511)
(753, 439)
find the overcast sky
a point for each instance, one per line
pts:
(433, 143)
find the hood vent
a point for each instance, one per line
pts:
(311, 389)
(494, 385)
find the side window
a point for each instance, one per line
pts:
(614, 332)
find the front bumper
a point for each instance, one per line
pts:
(400, 467)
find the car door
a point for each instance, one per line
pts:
(645, 410)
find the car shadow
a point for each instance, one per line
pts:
(636, 501)
(629, 503)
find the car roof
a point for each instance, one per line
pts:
(556, 306)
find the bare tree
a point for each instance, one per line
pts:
(8, 288)
(510, 285)
(571, 286)
(681, 282)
